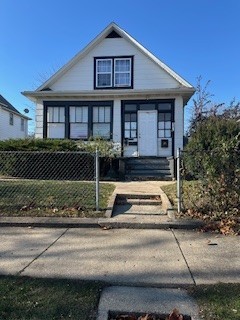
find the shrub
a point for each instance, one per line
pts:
(212, 156)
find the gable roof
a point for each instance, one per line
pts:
(8, 106)
(112, 30)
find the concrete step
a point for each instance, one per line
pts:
(134, 177)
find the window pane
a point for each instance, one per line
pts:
(122, 79)
(107, 114)
(167, 116)
(122, 65)
(147, 106)
(78, 130)
(130, 107)
(104, 65)
(167, 133)
(134, 125)
(133, 133)
(134, 117)
(127, 134)
(104, 80)
(84, 114)
(101, 114)
(95, 114)
(168, 125)
(161, 117)
(127, 117)
(127, 125)
(72, 114)
(56, 130)
(164, 106)
(61, 115)
(161, 133)
(101, 130)
(49, 114)
(160, 125)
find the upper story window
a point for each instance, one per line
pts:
(11, 118)
(113, 72)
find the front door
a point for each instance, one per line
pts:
(147, 133)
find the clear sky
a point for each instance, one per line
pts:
(193, 37)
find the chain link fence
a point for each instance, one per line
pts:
(212, 186)
(50, 182)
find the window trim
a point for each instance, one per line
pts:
(113, 85)
(67, 105)
(11, 119)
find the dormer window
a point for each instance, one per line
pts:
(113, 73)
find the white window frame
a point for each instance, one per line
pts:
(123, 72)
(113, 72)
(102, 72)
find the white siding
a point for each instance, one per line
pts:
(14, 131)
(117, 137)
(179, 125)
(39, 120)
(147, 74)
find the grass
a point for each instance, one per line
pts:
(35, 299)
(52, 198)
(218, 302)
(190, 193)
(30, 298)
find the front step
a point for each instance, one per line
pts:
(149, 168)
(135, 204)
(135, 199)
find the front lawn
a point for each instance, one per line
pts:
(28, 298)
(52, 198)
(218, 302)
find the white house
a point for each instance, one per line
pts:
(13, 124)
(117, 89)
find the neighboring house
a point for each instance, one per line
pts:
(117, 89)
(13, 124)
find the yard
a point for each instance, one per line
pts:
(29, 298)
(52, 198)
(195, 206)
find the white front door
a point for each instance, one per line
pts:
(147, 133)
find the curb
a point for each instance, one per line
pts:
(109, 223)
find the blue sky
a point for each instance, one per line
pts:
(193, 37)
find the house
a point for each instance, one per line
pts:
(13, 124)
(117, 89)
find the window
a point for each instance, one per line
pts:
(77, 119)
(11, 118)
(164, 125)
(56, 122)
(101, 122)
(122, 73)
(78, 122)
(113, 72)
(22, 124)
(130, 125)
(104, 73)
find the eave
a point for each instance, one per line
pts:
(14, 112)
(186, 93)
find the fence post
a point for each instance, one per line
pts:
(179, 191)
(97, 178)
